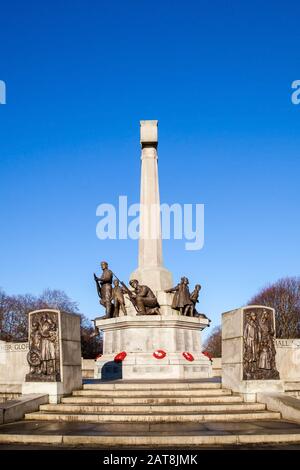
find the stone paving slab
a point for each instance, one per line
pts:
(63, 428)
(152, 385)
(279, 447)
(143, 435)
(146, 381)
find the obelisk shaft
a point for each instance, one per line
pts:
(150, 243)
(150, 269)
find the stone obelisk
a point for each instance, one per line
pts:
(150, 269)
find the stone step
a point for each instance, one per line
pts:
(295, 394)
(154, 393)
(208, 408)
(153, 418)
(151, 441)
(86, 400)
(153, 386)
(150, 435)
(154, 441)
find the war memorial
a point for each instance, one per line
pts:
(152, 386)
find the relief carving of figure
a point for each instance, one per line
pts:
(43, 355)
(251, 337)
(48, 338)
(264, 357)
(266, 336)
(34, 348)
(259, 348)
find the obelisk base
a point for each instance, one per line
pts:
(158, 278)
(154, 347)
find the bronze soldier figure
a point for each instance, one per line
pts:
(118, 298)
(194, 298)
(181, 300)
(105, 291)
(145, 300)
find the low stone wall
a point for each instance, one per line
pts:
(13, 362)
(5, 395)
(217, 366)
(15, 410)
(87, 367)
(14, 367)
(288, 359)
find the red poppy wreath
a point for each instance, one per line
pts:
(159, 354)
(120, 357)
(188, 356)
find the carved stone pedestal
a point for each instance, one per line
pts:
(248, 351)
(54, 354)
(146, 336)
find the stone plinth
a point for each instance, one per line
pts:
(234, 360)
(54, 354)
(141, 336)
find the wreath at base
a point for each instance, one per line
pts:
(188, 356)
(34, 358)
(159, 354)
(120, 357)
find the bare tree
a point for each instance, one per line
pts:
(284, 297)
(57, 299)
(14, 318)
(2, 309)
(91, 345)
(14, 324)
(213, 344)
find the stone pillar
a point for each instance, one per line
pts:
(248, 351)
(150, 269)
(54, 354)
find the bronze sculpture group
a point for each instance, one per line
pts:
(183, 300)
(142, 297)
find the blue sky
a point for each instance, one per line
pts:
(217, 76)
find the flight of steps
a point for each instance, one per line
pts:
(152, 403)
(153, 415)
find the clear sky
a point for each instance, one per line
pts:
(217, 75)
